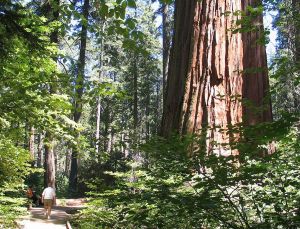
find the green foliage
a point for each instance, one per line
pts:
(285, 65)
(27, 72)
(10, 210)
(14, 168)
(180, 191)
(13, 165)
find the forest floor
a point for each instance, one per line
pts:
(60, 214)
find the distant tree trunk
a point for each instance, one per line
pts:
(67, 163)
(51, 10)
(98, 119)
(147, 110)
(109, 140)
(166, 45)
(79, 93)
(31, 143)
(135, 94)
(158, 109)
(40, 151)
(255, 80)
(207, 72)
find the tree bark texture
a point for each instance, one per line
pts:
(79, 92)
(208, 78)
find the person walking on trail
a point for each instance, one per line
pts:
(49, 199)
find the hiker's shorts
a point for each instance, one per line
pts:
(48, 203)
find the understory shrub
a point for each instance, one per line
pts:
(177, 189)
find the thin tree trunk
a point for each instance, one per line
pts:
(31, 143)
(99, 97)
(158, 109)
(147, 110)
(207, 73)
(79, 93)
(98, 124)
(40, 151)
(68, 160)
(135, 95)
(109, 140)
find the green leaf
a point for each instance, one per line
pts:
(131, 3)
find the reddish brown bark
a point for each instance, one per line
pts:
(207, 76)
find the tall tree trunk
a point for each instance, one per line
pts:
(166, 45)
(255, 80)
(135, 94)
(147, 110)
(51, 10)
(98, 117)
(207, 72)
(79, 93)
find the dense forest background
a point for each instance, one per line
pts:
(99, 99)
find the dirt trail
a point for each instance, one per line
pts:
(59, 216)
(37, 219)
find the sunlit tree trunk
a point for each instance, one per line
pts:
(79, 93)
(208, 74)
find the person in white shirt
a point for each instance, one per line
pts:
(49, 199)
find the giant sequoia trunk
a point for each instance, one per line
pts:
(211, 69)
